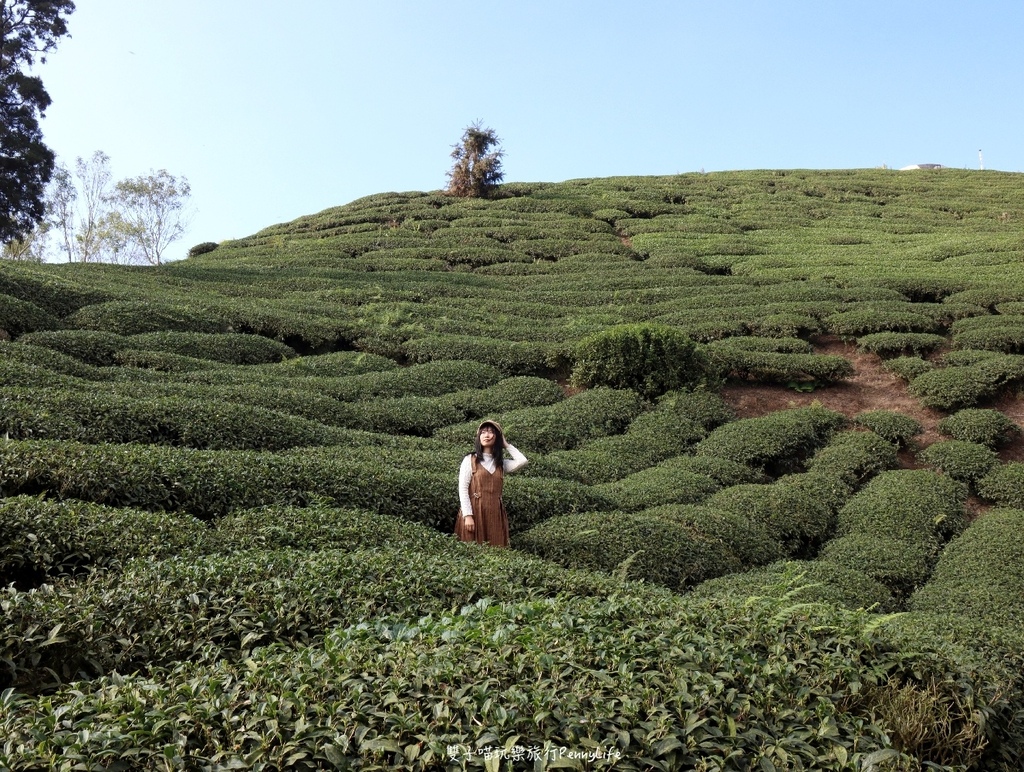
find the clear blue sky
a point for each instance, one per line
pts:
(274, 110)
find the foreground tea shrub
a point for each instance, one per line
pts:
(435, 700)
(654, 549)
(986, 427)
(980, 574)
(211, 607)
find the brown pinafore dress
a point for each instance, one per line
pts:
(489, 515)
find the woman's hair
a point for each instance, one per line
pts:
(499, 443)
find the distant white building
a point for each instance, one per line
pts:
(921, 166)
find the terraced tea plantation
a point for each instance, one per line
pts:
(229, 483)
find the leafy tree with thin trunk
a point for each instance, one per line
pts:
(94, 178)
(477, 169)
(29, 29)
(150, 212)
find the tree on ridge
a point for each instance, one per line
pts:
(477, 169)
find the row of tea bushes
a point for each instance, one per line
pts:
(776, 442)
(739, 525)
(1002, 332)
(895, 527)
(412, 482)
(100, 348)
(669, 428)
(97, 416)
(895, 344)
(980, 574)
(20, 316)
(681, 479)
(964, 385)
(133, 317)
(415, 687)
(593, 413)
(204, 608)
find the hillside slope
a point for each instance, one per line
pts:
(228, 485)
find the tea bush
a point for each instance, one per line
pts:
(863, 321)
(48, 358)
(953, 388)
(854, 457)
(648, 358)
(683, 417)
(92, 347)
(803, 581)
(908, 368)
(778, 441)
(232, 348)
(796, 510)
(1003, 333)
(564, 425)
(913, 505)
(770, 367)
(41, 539)
(99, 417)
(337, 364)
(670, 482)
(130, 317)
(986, 427)
(511, 357)
(980, 574)
(654, 549)
(1004, 485)
(894, 344)
(897, 428)
(20, 316)
(746, 539)
(902, 566)
(431, 379)
(967, 462)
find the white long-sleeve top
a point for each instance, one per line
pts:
(517, 461)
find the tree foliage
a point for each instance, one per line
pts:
(150, 211)
(477, 168)
(29, 29)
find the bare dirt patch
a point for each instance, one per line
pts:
(871, 388)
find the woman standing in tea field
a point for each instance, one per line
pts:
(482, 516)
